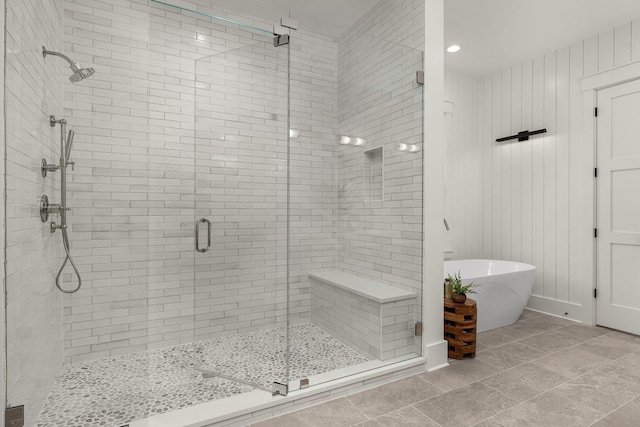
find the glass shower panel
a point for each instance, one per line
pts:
(241, 169)
(356, 204)
(380, 181)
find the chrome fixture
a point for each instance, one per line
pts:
(446, 224)
(198, 222)
(206, 374)
(66, 140)
(79, 72)
(279, 389)
(280, 40)
(45, 168)
(67, 149)
(281, 32)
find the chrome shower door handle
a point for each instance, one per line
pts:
(198, 222)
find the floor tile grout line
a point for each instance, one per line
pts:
(411, 405)
(504, 394)
(632, 400)
(358, 409)
(502, 370)
(556, 329)
(403, 407)
(548, 354)
(443, 391)
(598, 368)
(527, 400)
(541, 357)
(426, 415)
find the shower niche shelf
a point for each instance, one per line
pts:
(374, 174)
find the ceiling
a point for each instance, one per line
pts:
(493, 33)
(497, 33)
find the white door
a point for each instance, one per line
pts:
(618, 207)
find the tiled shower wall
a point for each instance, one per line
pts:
(33, 92)
(134, 194)
(381, 102)
(112, 188)
(134, 185)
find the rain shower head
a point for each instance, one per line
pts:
(79, 73)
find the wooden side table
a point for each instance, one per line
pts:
(460, 323)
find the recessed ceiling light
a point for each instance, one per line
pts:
(453, 48)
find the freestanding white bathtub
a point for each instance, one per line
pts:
(503, 288)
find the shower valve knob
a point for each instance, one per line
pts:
(55, 227)
(45, 167)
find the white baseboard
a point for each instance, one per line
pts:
(436, 354)
(563, 309)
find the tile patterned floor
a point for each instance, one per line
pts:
(113, 391)
(541, 371)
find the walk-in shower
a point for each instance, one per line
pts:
(229, 245)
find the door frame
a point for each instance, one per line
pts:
(590, 85)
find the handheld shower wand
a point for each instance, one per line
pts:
(67, 147)
(65, 151)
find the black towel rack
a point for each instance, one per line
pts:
(522, 136)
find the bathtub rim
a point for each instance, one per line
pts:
(527, 267)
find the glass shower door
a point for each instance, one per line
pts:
(241, 215)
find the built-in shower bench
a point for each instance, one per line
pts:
(375, 319)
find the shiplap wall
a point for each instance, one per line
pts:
(522, 201)
(463, 171)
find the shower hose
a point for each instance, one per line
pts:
(65, 244)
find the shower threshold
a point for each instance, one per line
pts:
(256, 406)
(114, 391)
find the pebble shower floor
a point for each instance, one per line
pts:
(114, 391)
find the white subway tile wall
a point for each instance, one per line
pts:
(133, 190)
(314, 196)
(353, 319)
(161, 74)
(241, 184)
(116, 223)
(33, 92)
(377, 330)
(381, 102)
